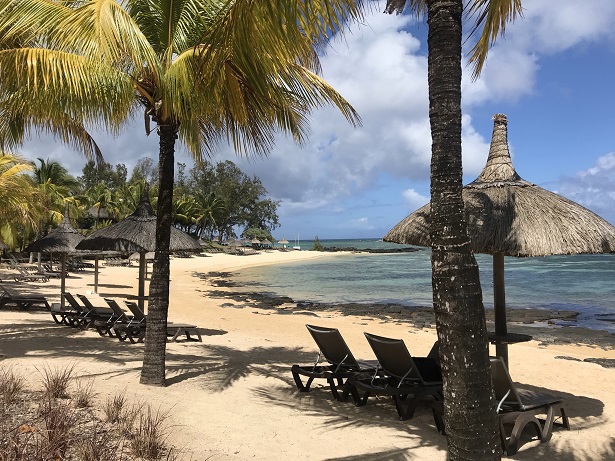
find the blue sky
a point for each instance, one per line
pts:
(552, 75)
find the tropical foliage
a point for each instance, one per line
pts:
(201, 70)
(35, 195)
(17, 192)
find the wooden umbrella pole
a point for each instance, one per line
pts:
(142, 269)
(96, 274)
(499, 305)
(63, 281)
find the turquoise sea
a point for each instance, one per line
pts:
(582, 283)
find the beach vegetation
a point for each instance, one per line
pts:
(36, 426)
(457, 295)
(256, 233)
(149, 433)
(11, 386)
(84, 393)
(114, 407)
(17, 193)
(56, 380)
(232, 199)
(317, 245)
(201, 71)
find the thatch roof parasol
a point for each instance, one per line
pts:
(63, 239)
(137, 233)
(507, 215)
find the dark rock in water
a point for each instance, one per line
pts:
(606, 363)
(534, 315)
(372, 250)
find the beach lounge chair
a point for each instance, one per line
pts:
(23, 301)
(23, 275)
(134, 330)
(519, 407)
(406, 379)
(79, 315)
(105, 327)
(96, 313)
(342, 364)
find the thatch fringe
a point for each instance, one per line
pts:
(508, 215)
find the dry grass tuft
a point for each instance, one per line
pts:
(84, 394)
(149, 434)
(46, 425)
(55, 381)
(11, 386)
(114, 407)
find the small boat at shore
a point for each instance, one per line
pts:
(297, 246)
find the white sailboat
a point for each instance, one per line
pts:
(297, 247)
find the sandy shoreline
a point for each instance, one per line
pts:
(232, 397)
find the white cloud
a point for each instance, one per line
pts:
(413, 199)
(381, 69)
(594, 188)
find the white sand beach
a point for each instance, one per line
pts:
(232, 397)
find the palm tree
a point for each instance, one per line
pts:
(457, 295)
(16, 196)
(202, 70)
(55, 184)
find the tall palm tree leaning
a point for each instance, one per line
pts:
(471, 419)
(202, 70)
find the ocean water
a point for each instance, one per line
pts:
(581, 283)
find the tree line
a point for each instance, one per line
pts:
(211, 201)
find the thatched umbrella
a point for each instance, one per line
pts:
(137, 233)
(63, 239)
(508, 216)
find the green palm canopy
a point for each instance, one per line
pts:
(198, 71)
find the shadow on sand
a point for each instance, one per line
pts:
(216, 368)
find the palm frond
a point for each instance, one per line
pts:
(492, 16)
(103, 30)
(62, 84)
(16, 128)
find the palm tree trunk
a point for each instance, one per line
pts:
(470, 415)
(153, 370)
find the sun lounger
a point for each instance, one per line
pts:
(105, 327)
(519, 407)
(342, 364)
(134, 331)
(23, 275)
(78, 315)
(406, 379)
(97, 313)
(23, 301)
